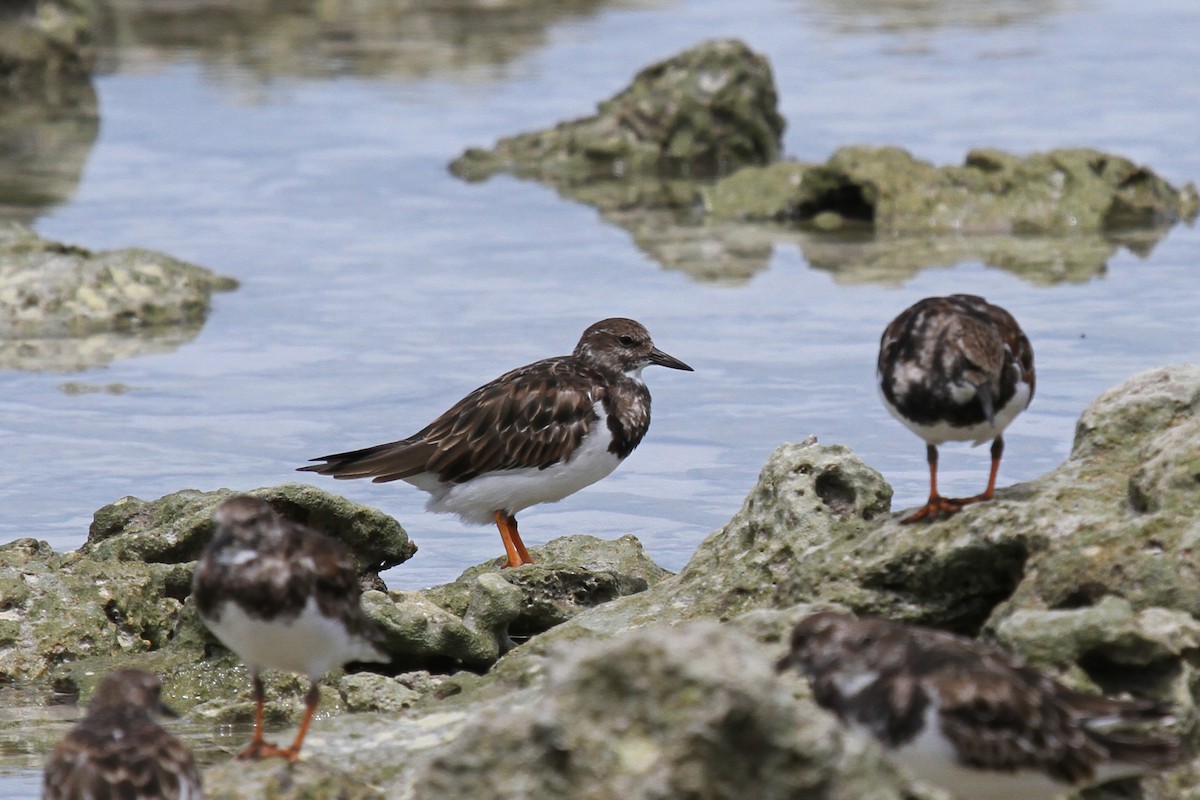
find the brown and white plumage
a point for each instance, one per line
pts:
(534, 435)
(955, 368)
(282, 596)
(970, 717)
(118, 752)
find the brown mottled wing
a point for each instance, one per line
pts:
(1003, 714)
(332, 579)
(1010, 333)
(533, 416)
(145, 763)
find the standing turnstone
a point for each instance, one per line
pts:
(969, 717)
(281, 596)
(955, 369)
(118, 750)
(533, 435)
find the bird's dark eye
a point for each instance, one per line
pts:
(626, 340)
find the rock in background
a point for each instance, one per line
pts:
(65, 308)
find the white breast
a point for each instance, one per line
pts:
(512, 490)
(931, 758)
(941, 432)
(311, 644)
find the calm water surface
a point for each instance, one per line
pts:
(377, 288)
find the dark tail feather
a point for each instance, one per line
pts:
(383, 462)
(1150, 751)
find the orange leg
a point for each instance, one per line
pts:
(258, 747)
(946, 506)
(990, 491)
(513, 546)
(292, 753)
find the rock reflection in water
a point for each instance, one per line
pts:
(266, 39)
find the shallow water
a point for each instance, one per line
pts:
(377, 288)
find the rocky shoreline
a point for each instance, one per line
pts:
(594, 672)
(595, 669)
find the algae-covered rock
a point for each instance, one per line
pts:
(61, 608)
(1064, 191)
(369, 691)
(422, 634)
(693, 711)
(569, 575)
(55, 298)
(174, 529)
(816, 529)
(51, 289)
(275, 779)
(705, 111)
(1110, 646)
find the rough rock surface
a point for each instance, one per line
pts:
(569, 575)
(706, 111)
(693, 711)
(66, 308)
(1059, 192)
(1088, 572)
(174, 529)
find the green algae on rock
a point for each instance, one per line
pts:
(175, 528)
(688, 711)
(627, 682)
(1059, 192)
(708, 110)
(569, 575)
(273, 779)
(66, 308)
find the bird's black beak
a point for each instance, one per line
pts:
(663, 360)
(166, 711)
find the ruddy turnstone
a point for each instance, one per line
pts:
(119, 751)
(281, 596)
(969, 717)
(533, 435)
(955, 369)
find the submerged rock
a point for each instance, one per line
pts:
(61, 304)
(708, 110)
(685, 159)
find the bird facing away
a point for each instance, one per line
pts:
(969, 717)
(118, 752)
(955, 369)
(282, 596)
(534, 435)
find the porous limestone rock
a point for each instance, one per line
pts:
(708, 110)
(175, 528)
(568, 575)
(1065, 191)
(691, 711)
(55, 299)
